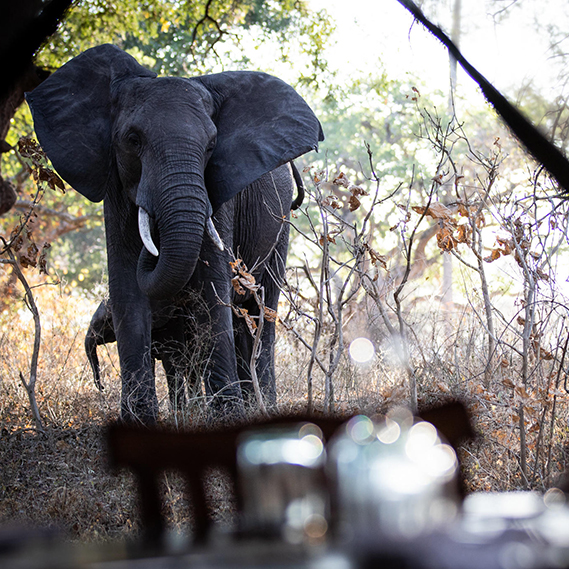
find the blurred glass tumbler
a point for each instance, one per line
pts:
(394, 478)
(280, 472)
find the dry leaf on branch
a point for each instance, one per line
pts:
(354, 203)
(36, 161)
(542, 275)
(521, 392)
(463, 233)
(341, 180)
(270, 314)
(237, 285)
(332, 202)
(251, 324)
(508, 382)
(375, 257)
(42, 262)
(329, 238)
(480, 221)
(319, 176)
(494, 255)
(435, 210)
(445, 240)
(244, 280)
(538, 349)
(463, 210)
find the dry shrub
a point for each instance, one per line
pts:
(512, 380)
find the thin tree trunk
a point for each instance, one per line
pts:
(30, 386)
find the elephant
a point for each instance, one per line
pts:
(180, 367)
(194, 173)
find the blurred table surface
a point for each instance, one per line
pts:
(493, 531)
(509, 548)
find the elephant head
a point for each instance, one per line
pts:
(175, 148)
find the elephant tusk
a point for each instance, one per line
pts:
(144, 230)
(213, 234)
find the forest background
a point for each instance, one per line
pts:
(427, 231)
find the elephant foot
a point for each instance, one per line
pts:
(268, 393)
(140, 414)
(226, 410)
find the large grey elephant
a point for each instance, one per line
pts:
(192, 172)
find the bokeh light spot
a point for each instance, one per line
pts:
(361, 351)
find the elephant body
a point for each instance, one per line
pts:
(180, 367)
(194, 174)
(260, 238)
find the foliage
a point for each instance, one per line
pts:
(501, 346)
(182, 38)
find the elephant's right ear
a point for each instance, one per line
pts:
(72, 116)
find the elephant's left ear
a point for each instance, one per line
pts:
(261, 123)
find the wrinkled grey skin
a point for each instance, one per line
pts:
(180, 150)
(171, 338)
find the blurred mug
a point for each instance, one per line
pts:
(393, 477)
(281, 478)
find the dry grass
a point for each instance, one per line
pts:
(60, 478)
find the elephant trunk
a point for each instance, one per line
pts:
(181, 212)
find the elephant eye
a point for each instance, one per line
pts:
(133, 140)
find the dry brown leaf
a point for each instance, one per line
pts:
(463, 210)
(42, 262)
(534, 428)
(506, 245)
(329, 238)
(436, 211)
(542, 275)
(480, 221)
(463, 234)
(520, 391)
(26, 262)
(376, 258)
(270, 314)
(341, 180)
(237, 285)
(358, 191)
(445, 240)
(251, 324)
(496, 253)
(332, 202)
(354, 203)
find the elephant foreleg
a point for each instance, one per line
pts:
(221, 379)
(138, 395)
